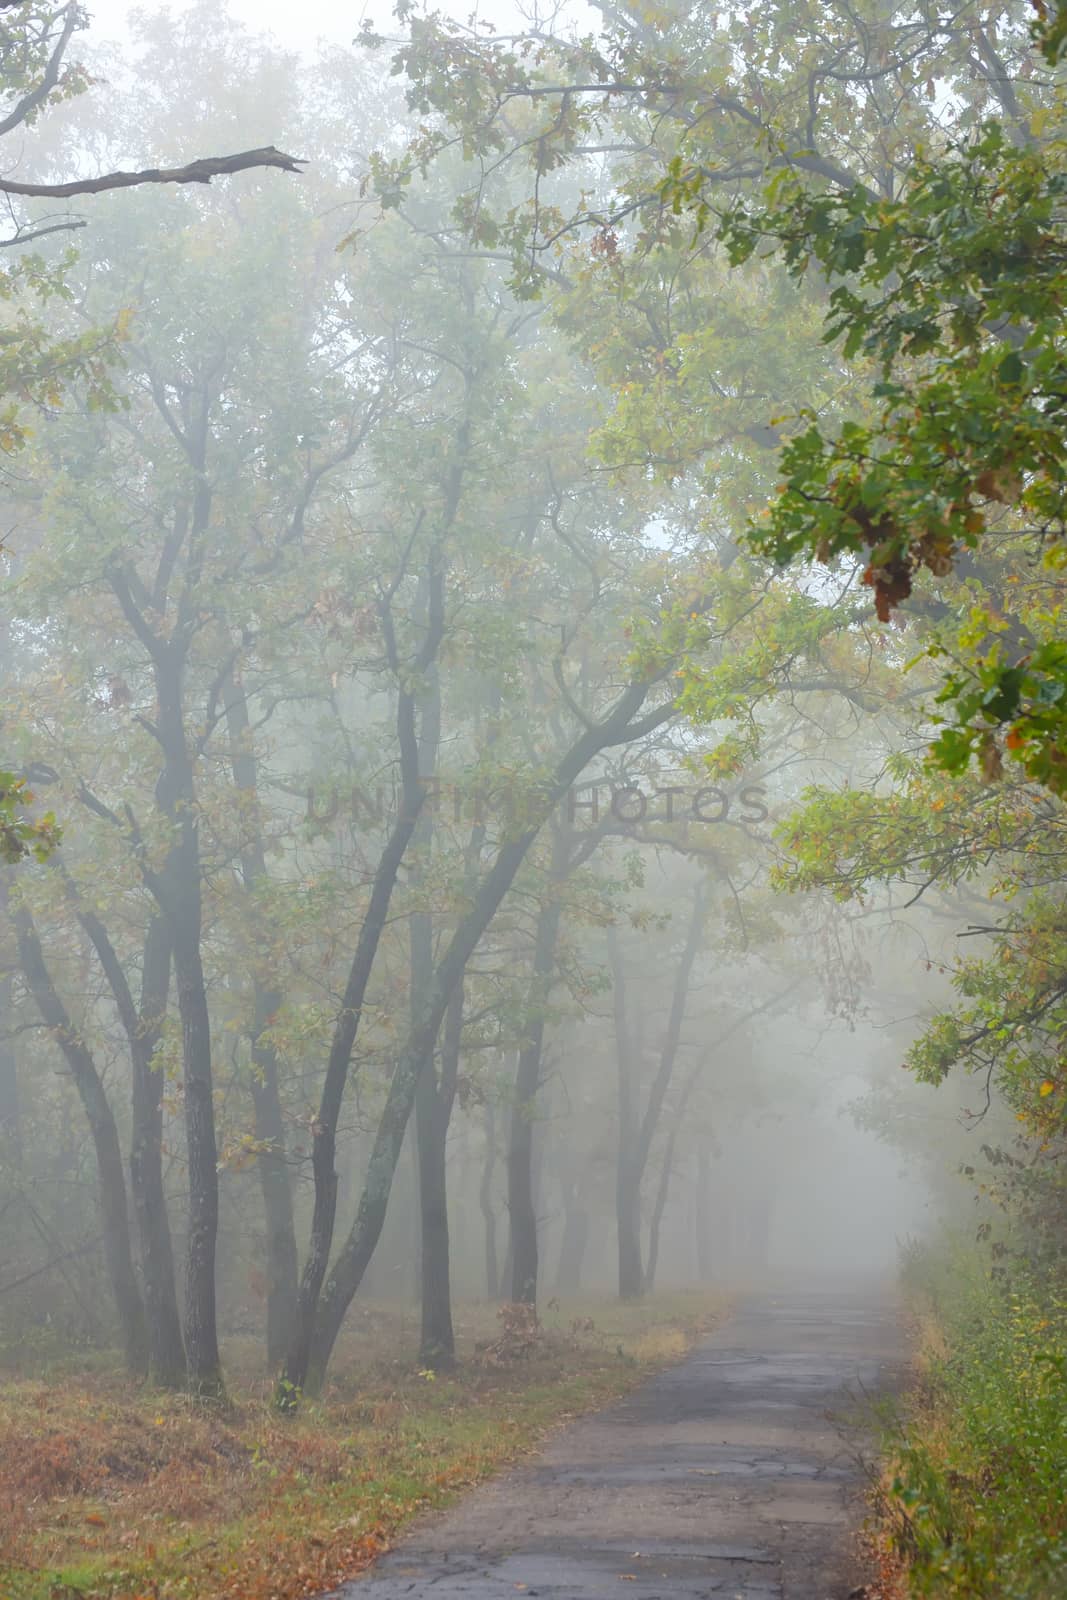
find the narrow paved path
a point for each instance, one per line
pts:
(727, 1475)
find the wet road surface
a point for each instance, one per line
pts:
(734, 1474)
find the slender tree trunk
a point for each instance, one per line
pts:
(705, 1253)
(620, 726)
(274, 1183)
(179, 897)
(201, 1327)
(299, 1358)
(575, 1239)
(143, 1026)
(10, 1110)
(488, 1210)
(627, 1175)
(110, 1175)
(176, 888)
(271, 1163)
(324, 1140)
(522, 1201)
(433, 1109)
(434, 1094)
(413, 1268)
(10, 1107)
(659, 1207)
(166, 1346)
(628, 1218)
(522, 1205)
(635, 1136)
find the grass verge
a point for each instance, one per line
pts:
(112, 1493)
(974, 1499)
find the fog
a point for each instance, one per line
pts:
(453, 901)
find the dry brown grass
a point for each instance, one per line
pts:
(118, 1494)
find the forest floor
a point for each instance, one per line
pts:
(741, 1473)
(108, 1492)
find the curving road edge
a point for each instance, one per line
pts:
(736, 1474)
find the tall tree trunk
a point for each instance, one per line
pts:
(178, 892)
(166, 1346)
(408, 674)
(659, 1207)
(271, 1162)
(177, 887)
(10, 1109)
(522, 1204)
(636, 1134)
(628, 1221)
(434, 1093)
(274, 1182)
(705, 1253)
(620, 726)
(110, 1175)
(485, 1202)
(575, 1239)
(143, 1027)
(298, 1360)
(412, 1283)
(10, 1106)
(627, 1175)
(433, 1109)
(324, 1136)
(201, 1326)
(522, 1185)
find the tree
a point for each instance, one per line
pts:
(112, 1182)
(637, 1123)
(961, 845)
(568, 851)
(953, 291)
(180, 638)
(34, 75)
(841, 107)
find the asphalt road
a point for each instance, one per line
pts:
(734, 1474)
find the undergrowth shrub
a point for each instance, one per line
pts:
(979, 1492)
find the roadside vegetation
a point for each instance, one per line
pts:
(108, 1493)
(973, 1504)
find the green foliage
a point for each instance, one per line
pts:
(1050, 30)
(954, 293)
(1012, 1020)
(979, 1496)
(948, 283)
(22, 835)
(36, 366)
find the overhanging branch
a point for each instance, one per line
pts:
(201, 171)
(27, 235)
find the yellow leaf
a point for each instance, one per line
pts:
(1046, 1088)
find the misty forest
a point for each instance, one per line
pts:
(533, 937)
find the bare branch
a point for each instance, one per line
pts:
(27, 235)
(201, 171)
